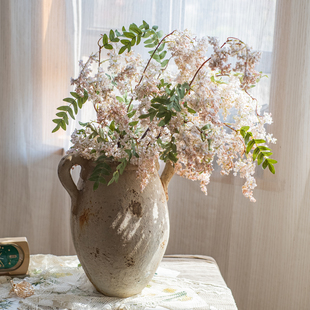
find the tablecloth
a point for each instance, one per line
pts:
(59, 282)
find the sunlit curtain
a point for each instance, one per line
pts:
(261, 248)
(36, 60)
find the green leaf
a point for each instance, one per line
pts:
(144, 116)
(75, 106)
(131, 114)
(133, 27)
(161, 47)
(108, 46)
(172, 157)
(85, 97)
(122, 167)
(155, 27)
(111, 35)
(206, 127)
(120, 99)
(245, 128)
(133, 123)
(272, 161)
(80, 102)
(148, 33)
(63, 124)
(125, 42)
(63, 108)
(96, 185)
(168, 117)
(83, 124)
(75, 95)
(152, 115)
(190, 110)
(255, 153)
(70, 100)
(162, 55)
(164, 63)
(177, 106)
(249, 146)
(265, 164)
(271, 168)
(257, 141)
(267, 153)
(71, 113)
(56, 128)
(156, 57)
(148, 41)
(112, 126)
(146, 25)
(161, 123)
(128, 35)
(260, 158)
(102, 180)
(159, 33)
(138, 39)
(150, 45)
(122, 50)
(247, 137)
(64, 116)
(68, 109)
(203, 136)
(209, 144)
(263, 148)
(105, 39)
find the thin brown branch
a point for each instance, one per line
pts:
(227, 40)
(100, 48)
(150, 61)
(145, 133)
(154, 53)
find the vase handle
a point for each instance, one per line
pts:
(65, 178)
(166, 176)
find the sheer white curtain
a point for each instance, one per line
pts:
(36, 54)
(261, 248)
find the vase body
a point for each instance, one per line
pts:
(120, 234)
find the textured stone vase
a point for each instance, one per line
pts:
(120, 234)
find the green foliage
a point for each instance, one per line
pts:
(132, 36)
(165, 107)
(261, 153)
(77, 103)
(219, 81)
(101, 170)
(203, 135)
(170, 150)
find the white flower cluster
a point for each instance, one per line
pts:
(197, 133)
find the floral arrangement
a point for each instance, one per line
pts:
(172, 107)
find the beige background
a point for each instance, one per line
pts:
(262, 248)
